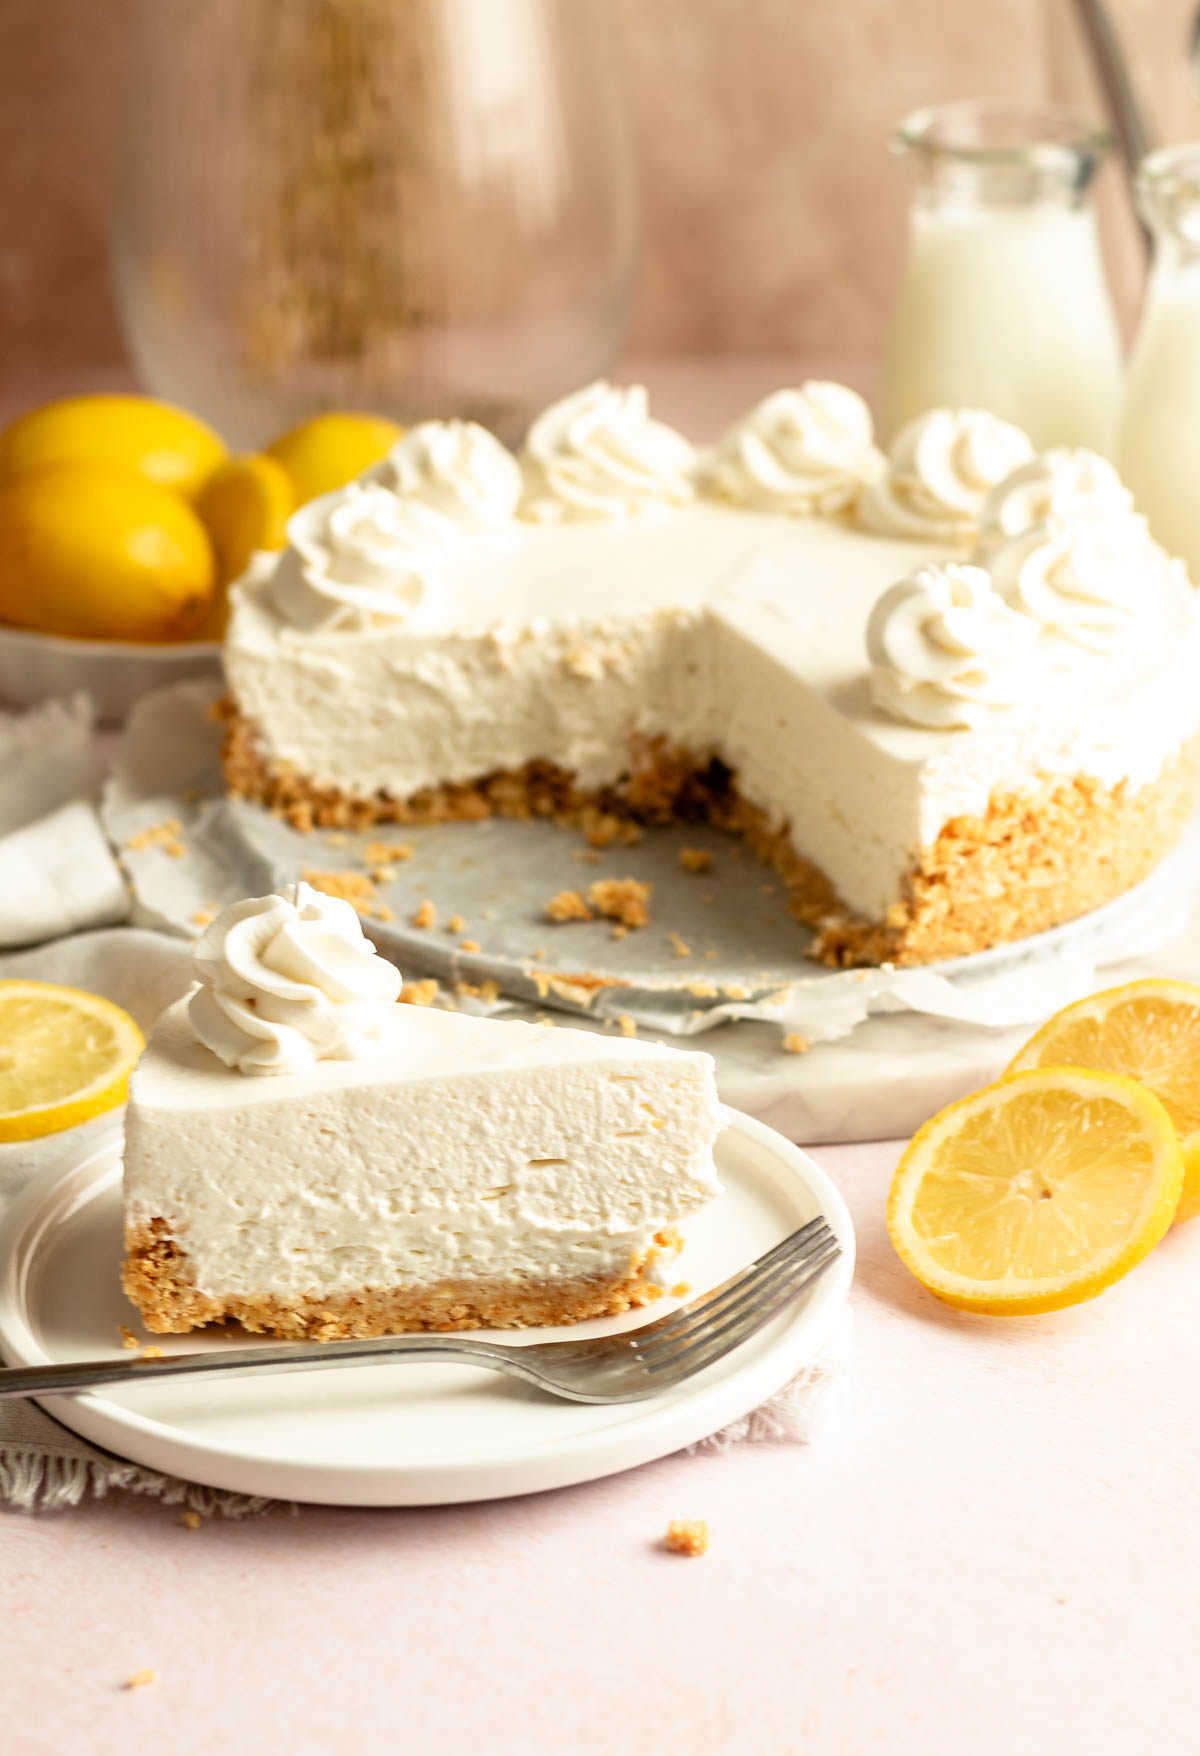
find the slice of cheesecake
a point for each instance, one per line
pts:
(398, 1167)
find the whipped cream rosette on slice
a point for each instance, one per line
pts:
(599, 454)
(941, 468)
(291, 979)
(1068, 483)
(801, 452)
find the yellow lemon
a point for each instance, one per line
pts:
(153, 439)
(101, 554)
(1149, 1030)
(245, 506)
(64, 1056)
(1037, 1192)
(330, 450)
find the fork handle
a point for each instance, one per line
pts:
(78, 1375)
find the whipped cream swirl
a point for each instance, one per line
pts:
(458, 468)
(1097, 586)
(1069, 484)
(798, 452)
(946, 651)
(598, 455)
(289, 980)
(941, 468)
(360, 557)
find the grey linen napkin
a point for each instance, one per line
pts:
(44, 1466)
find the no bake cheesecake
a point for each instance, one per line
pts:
(310, 1158)
(950, 693)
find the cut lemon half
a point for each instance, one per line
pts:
(64, 1056)
(1036, 1193)
(1149, 1031)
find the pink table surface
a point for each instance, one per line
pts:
(991, 1548)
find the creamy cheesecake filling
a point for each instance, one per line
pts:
(595, 651)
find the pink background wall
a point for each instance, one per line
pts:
(775, 215)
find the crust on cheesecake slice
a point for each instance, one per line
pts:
(1038, 857)
(157, 1277)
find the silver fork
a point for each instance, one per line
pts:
(628, 1367)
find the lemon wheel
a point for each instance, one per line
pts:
(1149, 1030)
(1037, 1192)
(65, 1056)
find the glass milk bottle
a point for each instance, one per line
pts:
(1158, 449)
(1004, 304)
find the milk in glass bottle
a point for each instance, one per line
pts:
(1158, 450)
(1004, 304)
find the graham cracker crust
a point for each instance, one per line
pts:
(157, 1278)
(1035, 859)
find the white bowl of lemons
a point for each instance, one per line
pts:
(123, 521)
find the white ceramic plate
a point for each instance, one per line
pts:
(115, 673)
(400, 1435)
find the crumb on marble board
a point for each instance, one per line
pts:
(456, 924)
(795, 1044)
(469, 945)
(352, 887)
(128, 1339)
(686, 1536)
(622, 899)
(567, 905)
(140, 1679)
(678, 946)
(422, 993)
(425, 914)
(696, 859)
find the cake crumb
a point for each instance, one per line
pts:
(192, 1520)
(602, 830)
(488, 990)
(420, 993)
(380, 874)
(425, 914)
(545, 1018)
(128, 1338)
(539, 953)
(567, 905)
(469, 945)
(352, 887)
(165, 835)
(678, 946)
(622, 899)
(384, 913)
(795, 1044)
(153, 1353)
(702, 990)
(456, 924)
(627, 1025)
(686, 1536)
(140, 1679)
(620, 931)
(381, 853)
(696, 859)
(204, 917)
(336, 839)
(681, 1289)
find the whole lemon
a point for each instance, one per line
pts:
(330, 450)
(245, 506)
(155, 440)
(102, 554)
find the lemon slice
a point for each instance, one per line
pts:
(1148, 1030)
(64, 1056)
(1037, 1192)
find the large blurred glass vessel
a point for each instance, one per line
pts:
(424, 208)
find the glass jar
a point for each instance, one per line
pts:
(426, 209)
(1004, 304)
(1159, 438)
